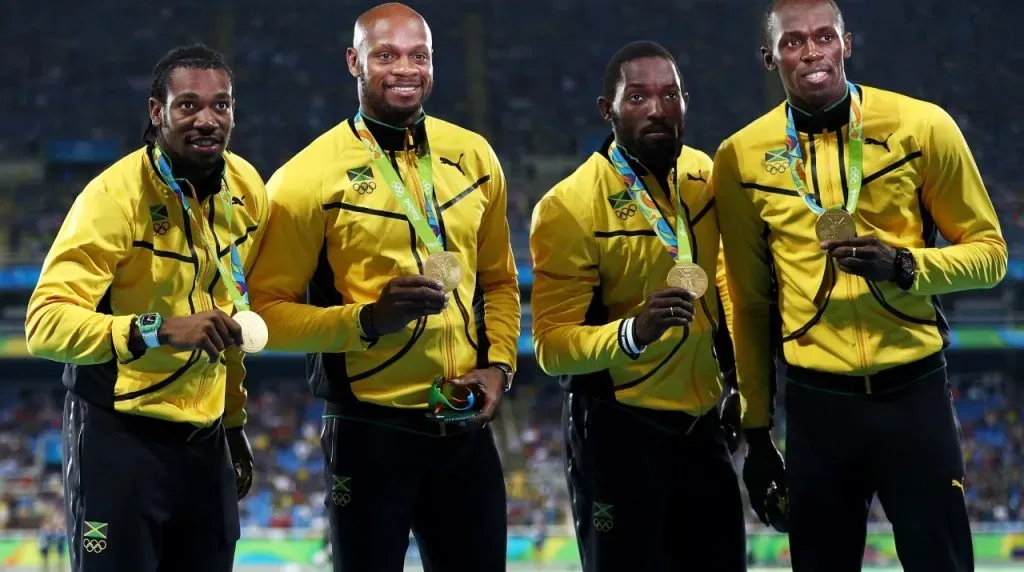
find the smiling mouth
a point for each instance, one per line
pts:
(404, 89)
(816, 76)
(205, 144)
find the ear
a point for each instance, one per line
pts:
(847, 45)
(768, 58)
(352, 58)
(604, 106)
(156, 112)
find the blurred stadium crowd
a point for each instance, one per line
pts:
(284, 429)
(512, 70)
(525, 73)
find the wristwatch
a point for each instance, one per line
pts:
(508, 374)
(149, 327)
(904, 269)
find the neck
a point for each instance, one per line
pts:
(808, 108)
(656, 166)
(392, 121)
(203, 179)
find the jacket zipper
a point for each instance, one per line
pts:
(201, 382)
(850, 282)
(447, 343)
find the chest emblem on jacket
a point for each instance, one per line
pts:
(623, 205)
(362, 180)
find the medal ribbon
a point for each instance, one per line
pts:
(234, 279)
(796, 159)
(427, 228)
(677, 243)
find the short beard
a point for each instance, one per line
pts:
(380, 109)
(660, 156)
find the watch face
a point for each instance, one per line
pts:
(147, 320)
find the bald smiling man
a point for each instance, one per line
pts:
(387, 261)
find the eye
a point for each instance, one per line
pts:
(827, 37)
(793, 43)
(385, 56)
(672, 96)
(636, 98)
(221, 105)
(186, 105)
(420, 58)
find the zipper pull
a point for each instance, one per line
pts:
(410, 142)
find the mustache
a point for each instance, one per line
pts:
(659, 127)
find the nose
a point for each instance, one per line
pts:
(404, 67)
(656, 108)
(812, 52)
(206, 119)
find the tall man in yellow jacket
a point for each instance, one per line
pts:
(834, 198)
(387, 260)
(625, 311)
(135, 297)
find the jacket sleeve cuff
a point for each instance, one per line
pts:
(120, 329)
(355, 339)
(627, 340)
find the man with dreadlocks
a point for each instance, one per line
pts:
(143, 296)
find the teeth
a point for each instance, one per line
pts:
(404, 89)
(816, 76)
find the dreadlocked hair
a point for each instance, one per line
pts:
(194, 57)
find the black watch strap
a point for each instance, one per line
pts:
(904, 269)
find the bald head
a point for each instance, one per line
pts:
(392, 57)
(385, 19)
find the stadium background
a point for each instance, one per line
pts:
(525, 73)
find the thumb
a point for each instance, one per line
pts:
(464, 381)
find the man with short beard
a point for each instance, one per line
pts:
(394, 224)
(625, 311)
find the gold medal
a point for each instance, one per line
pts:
(835, 224)
(689, 277)
(445, 268)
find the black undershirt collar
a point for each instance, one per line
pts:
(391, 138)
(831, 119)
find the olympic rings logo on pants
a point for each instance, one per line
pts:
(94, 545)
(603, 524)
(341, 499)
